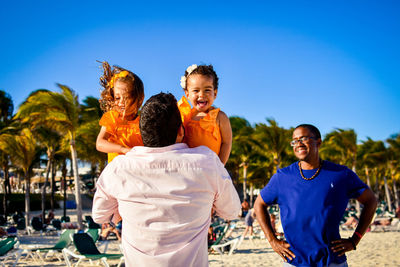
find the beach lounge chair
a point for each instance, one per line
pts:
(65, 219)
(391, 225)
(36, 226)
(56, 224)
(88, 251)
(219, 232)
(94, 233)
(91, 224)
(227, 244)
(64, 241)
(9, 248)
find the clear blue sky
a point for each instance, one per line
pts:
(329, 63)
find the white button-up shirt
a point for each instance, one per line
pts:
(164, 196)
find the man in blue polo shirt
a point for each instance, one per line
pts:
(312, 195)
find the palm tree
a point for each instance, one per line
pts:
(242, 146)
(50, 140)
(366, 154)
(60, 112)
(5, 165)
(6, 108)
(380, 158)
(87, 134)
(341, 144)
(24, 153)
(273, 140)
(6, 111)
(394, 164)
(259, 171)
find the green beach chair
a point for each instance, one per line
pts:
(64, 241)
(219, 232)
(8, 249)
(228, 244)
(94, 233)
(88, 251)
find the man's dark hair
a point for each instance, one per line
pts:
(160, 121)
(314, 130)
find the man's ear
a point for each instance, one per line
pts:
(180, 135)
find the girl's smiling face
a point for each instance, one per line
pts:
(200, 91)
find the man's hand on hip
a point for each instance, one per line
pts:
(282, 248)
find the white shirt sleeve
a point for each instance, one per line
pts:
(227, 203)
(104, 203)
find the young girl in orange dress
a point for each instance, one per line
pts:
(204, 124)
(121, 98)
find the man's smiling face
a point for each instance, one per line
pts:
(305, 150)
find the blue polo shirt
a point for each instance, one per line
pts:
(311, 210)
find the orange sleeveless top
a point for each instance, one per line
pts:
(124, 133)
(204, 132)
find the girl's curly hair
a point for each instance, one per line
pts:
(207, 70)
(136, 92)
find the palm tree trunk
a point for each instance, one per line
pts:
(245, 165)
(376, 184)
(388, 199)
(78, 198)
(93, 168)
(5, 197)
(358, 208)
(251, 194)
(396, 195)
(27, 198)
(53, 184)
(64, 178)
(367, 175)
(6, 191)
(44, 189)
(277, 160)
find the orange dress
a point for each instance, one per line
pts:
(205, 132)
(124, 133)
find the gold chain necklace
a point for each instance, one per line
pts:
(315, 174)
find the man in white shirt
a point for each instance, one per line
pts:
(164, 192)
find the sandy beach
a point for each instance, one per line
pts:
(375, 249)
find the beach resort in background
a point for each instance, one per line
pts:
(47, 147)
(331, 64)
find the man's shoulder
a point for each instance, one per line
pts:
(334, 166)
(202, 150)
(177, 152)
(287, 170)
(203, 154)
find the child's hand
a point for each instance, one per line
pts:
(125, 150)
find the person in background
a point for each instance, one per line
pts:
(312, 195)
